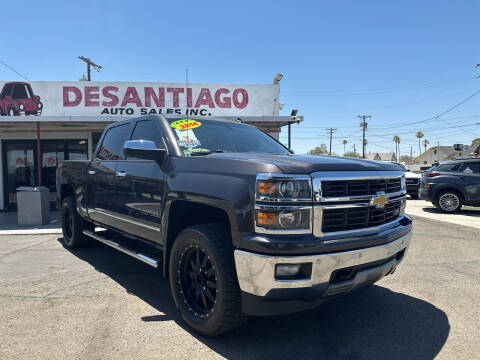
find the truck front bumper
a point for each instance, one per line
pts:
(331, 274)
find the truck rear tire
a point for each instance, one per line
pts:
(73, 225)
(203, 279)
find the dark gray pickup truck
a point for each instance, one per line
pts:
(237, 223)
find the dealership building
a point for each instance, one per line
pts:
(43, 123)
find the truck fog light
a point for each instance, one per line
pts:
(293, 271)
(287, 270)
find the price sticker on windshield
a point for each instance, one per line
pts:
(185, 124)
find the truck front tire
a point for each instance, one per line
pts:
(203, 279)
(73, 225)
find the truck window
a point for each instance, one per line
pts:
(20, 92)
(200, 135)
(7, 90)
(147, 130)
(112, 145)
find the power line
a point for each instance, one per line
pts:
(15, 71)
(381, 90)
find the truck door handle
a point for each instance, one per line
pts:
(91, 172)
(121, 173)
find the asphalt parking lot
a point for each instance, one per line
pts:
(98, 303)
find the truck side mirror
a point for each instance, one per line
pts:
(144, 149)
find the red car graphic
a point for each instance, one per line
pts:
(17, 98)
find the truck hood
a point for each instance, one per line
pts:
(306, 164)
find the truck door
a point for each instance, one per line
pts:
(142, 186)
(102, 193)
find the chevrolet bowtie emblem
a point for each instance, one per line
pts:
(379, 201)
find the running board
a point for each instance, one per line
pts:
(113, 244)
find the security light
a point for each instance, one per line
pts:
(277, 78)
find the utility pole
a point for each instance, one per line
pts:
(354, 151)
(331, 131)
(90, 64)
(363, 125)
(411, 153)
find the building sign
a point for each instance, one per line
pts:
(82, 98)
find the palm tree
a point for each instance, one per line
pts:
(419, 135)
(344, 142)
(396, 140)
(425, 143)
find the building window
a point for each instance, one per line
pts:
(435, 152)
(424, 162)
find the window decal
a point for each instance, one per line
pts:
(185, 124)
(188, 152)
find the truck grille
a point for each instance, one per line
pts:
(352, 218)
(359, 187)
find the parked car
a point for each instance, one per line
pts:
(413, 182)
(17, 98)
(452, 184)
(238, 224)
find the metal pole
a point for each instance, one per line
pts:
(363, 139)
(39, 157)
(88, 71)
(330, 150)
(289, 137)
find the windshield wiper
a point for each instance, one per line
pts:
(205, 152)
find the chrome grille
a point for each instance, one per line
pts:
(347, 202)
(359, 217)
(359, 187)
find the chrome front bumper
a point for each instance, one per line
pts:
(256, 273)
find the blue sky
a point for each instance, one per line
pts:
(399, 62)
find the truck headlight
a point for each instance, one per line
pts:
(21, 106)
(39, 105)
(276, 187)
(283, 218)
(283, 204)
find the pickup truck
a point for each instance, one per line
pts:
(238, 224)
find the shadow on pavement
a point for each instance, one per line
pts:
(372, 323)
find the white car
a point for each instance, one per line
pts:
(413, 182)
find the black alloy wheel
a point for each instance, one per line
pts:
(198, 281)
(67, 223)
(203, 279)
(73, 225)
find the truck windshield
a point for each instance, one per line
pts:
(207, 136)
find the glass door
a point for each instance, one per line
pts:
(53, 151)
(19, 160)
(20, 164)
